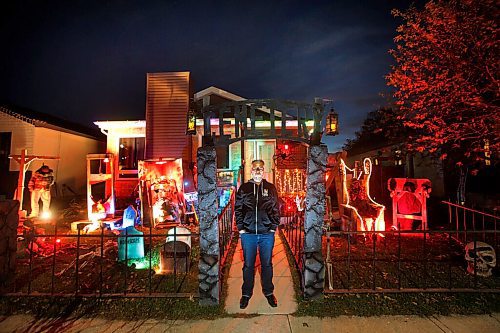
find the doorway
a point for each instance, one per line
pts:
(263, 150)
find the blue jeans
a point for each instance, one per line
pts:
(265, 243)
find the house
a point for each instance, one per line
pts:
(162, 137)
(45, 135)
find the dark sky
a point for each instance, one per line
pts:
(87, 60)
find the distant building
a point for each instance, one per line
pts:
(45, 135)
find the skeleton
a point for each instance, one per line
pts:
(480, 259)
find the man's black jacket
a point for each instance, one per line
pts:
(257, 208)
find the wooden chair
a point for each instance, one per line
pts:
(409, 201)
(360, 209)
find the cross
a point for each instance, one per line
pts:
(24, 161)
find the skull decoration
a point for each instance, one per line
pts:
(485, 258)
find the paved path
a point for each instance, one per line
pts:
(264, 323)
(283, 285)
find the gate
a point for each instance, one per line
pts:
(232, 122)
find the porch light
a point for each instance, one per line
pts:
(332, 120)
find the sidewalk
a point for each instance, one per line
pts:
(264, 323)
(282, 280)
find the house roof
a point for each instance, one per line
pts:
(217, 91)
(229, 96)
(40, 119)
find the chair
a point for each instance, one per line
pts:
(360, 209)
(409, 202)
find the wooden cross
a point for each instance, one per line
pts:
(24, 161)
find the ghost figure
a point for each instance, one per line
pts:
(480, 259)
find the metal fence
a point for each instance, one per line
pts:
(226, 229)
(470, 220)
(293, 228)
(65, 264)
(399, 261)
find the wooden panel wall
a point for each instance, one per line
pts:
(167, 104)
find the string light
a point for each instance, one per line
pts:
(290, 181)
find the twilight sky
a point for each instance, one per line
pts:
(87, 60)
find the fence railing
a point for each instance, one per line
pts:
(293, 229)
(398, 261)
(401, 261)
(467, 219)
(226, 218)
(65, 264)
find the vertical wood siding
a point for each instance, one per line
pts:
(167, 104)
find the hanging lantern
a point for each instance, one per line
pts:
(332, 120)
(191, 122)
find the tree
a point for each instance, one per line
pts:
(380, 128)
(447, 78)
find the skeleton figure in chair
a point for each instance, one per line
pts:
(39, 186)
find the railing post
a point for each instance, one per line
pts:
(314, 267)
(209, 282)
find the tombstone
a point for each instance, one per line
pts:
(176, 253)
(132, 246)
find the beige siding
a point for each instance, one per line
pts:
(72, 149)
(22, 136)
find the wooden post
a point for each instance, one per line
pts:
(20, 179)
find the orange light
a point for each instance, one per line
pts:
(286, 147)
(58, 240)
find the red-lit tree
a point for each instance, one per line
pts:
(447, 78)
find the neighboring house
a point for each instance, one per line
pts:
(162, 136)
(45, 135)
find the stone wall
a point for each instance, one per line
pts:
(8, 235)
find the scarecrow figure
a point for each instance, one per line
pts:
(39, 187)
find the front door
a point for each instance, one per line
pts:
(263, 150)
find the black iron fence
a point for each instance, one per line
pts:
(470, 220)
(105, 264)
(293, 228)
(404, 260)
(226, 228)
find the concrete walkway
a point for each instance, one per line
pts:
(283, 285)
(265, 323)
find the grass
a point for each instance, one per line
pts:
(118, 308)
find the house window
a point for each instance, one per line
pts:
(131, 151)
(222, 157)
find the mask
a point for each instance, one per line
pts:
(257, 177)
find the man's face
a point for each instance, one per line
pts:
(257, 172)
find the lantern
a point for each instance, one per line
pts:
(191, 122)
(332, 120)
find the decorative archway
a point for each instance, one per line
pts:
(245, 118)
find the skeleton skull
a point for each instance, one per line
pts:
(485, 258)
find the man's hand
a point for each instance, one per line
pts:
(242, 232)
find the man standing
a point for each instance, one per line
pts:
(257, 217)
(39, 186)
